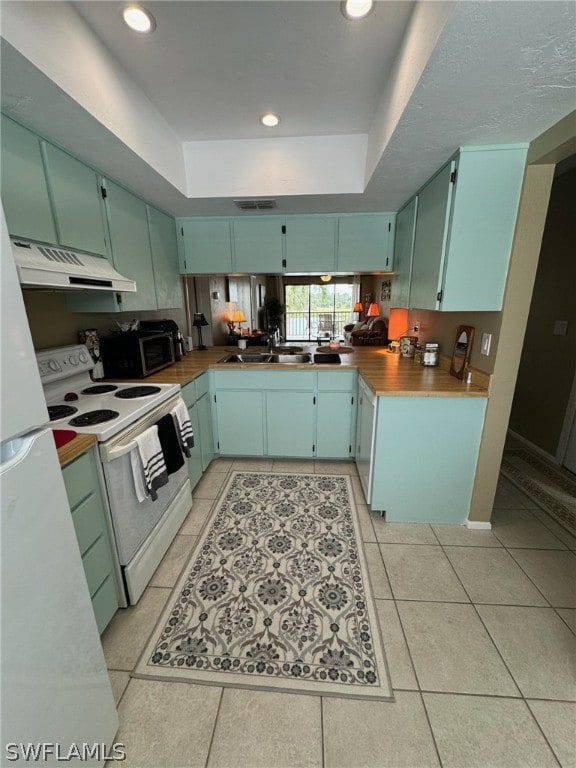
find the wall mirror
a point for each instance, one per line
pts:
(462, 350)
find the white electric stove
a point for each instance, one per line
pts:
(100, 408)
(116, 412)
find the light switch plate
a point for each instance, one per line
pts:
(486, 341)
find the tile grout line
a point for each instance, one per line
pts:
(514, 559)
(549, 604)
(535, 719)
(426, 714)
(214, 728)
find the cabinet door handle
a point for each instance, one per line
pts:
(284, 263)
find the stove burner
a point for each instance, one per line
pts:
(60, 411)
(99, 389)
(128, 394)
(90, 418)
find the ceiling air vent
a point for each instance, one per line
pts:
(255, 205)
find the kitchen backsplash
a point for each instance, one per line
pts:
(52, 325)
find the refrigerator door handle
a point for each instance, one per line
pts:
(12, 452)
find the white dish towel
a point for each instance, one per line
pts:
(183, 426)
(148, 465)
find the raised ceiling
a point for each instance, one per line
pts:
(369, 109)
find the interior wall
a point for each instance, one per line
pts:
(52, 325)
(519, 286)
(441, 327)
(548, 361)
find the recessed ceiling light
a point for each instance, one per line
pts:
(270, 120)
(356, 9)
(138, 18)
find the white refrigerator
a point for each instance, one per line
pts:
(55, 689)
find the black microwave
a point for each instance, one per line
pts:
(136, 354)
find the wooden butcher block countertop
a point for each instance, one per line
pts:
(387, 374)
(76, 447)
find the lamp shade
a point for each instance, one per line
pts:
(373, 310)
(239, 316)
(358, 307)
(199, 320)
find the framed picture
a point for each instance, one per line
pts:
(385, 290)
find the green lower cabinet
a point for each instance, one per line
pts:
(195, 459)
(335, 420)
(290, 423)
(89, 516)
(197, 399)
(206, 430)
(424, 457)
(240, 422)
(291, 414)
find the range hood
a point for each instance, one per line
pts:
(48, 266)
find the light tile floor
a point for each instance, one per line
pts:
(479, 629)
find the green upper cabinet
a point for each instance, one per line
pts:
(76, 200)
(24, 190)
(128, 223)
(464, 230)
(366, 242)
(311, 244)
(258, 244)
(165, 259)
(434, 202)
(403, 252)
(205, 246)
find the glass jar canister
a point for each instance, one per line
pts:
(431, 355)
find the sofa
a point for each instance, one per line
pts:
(373, 333)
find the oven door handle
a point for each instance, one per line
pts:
(119, 450)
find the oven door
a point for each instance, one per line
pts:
(157, 352)
(143, 531)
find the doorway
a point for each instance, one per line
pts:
(542, 411)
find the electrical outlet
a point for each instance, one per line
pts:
(486, 341)
(416, 327)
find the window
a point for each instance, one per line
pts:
(317, 309)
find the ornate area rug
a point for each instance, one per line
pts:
(549, 486)
(276, 595)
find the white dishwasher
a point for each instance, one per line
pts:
(365, 436)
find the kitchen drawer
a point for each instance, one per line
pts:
(336, 381)
(105, 603)
(80, 479)
(97, 565)
(189, 394)
(87, 519)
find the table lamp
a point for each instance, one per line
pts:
(199, 322)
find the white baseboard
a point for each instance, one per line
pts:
(478, 525)
(534, 448)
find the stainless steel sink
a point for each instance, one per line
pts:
(303, 358)
(266, 357)
(249, 357)
(287, 359)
